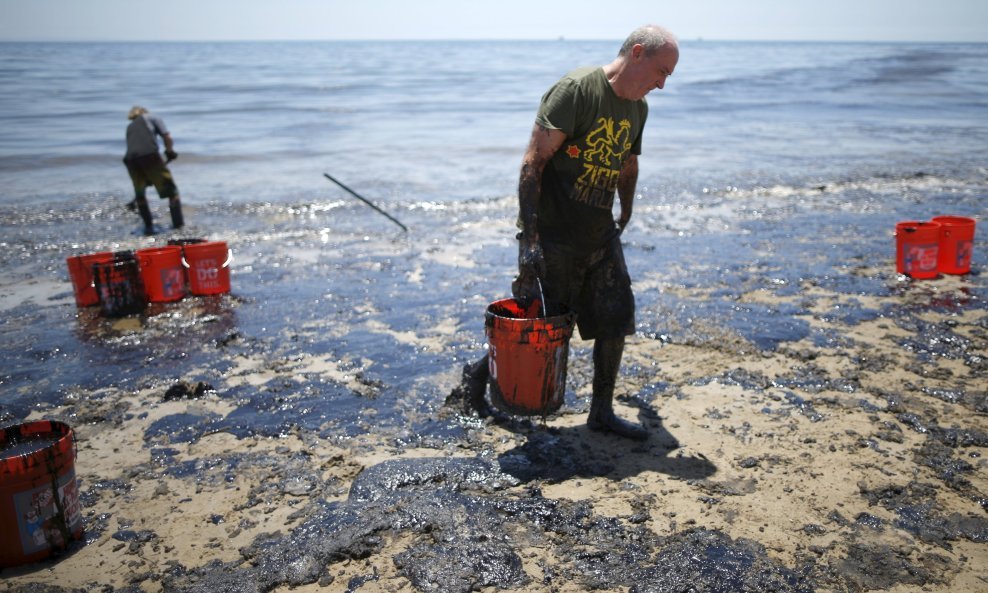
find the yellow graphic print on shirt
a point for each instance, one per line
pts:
(606, 147)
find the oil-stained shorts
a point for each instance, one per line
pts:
(151, 170)
(596, 286)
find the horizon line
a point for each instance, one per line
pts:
(558, 39)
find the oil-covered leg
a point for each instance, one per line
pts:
(607, 354)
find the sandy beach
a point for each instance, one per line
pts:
(850, 463)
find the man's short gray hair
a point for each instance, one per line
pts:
(651, 37)
(136, 111)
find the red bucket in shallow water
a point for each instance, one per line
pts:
(528, 356)
(162, 273)
(39, 496)
(956, 244)
(209, 267)
(81, 274)
(917, 245)
(119, 286)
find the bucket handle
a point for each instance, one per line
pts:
(229, 258)
(542, 296)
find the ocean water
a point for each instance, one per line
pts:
(442, 121)
(765, 166)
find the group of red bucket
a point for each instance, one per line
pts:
(941, 245)
(124, 282)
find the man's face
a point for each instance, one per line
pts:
(650, 72)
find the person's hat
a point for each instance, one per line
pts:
(135, 111)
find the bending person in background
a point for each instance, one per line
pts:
(584, 148)
(147, 168)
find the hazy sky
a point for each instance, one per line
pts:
(857, 20)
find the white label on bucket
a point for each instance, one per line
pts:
(172, 281)
(964, 251)
(37, 514)
(920, 258)
(208, 273)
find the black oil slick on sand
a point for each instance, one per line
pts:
(376, 303)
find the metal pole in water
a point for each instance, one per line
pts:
(366, 201)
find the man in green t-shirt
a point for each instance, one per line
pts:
(584, 148)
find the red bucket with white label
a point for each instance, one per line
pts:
(40, 513)
(208, 267)
(917, 247)
(956, 244)
(162, 273)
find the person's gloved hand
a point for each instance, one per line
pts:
(170, 155)
(531, 268)
(525, 289)
(620, 224)
(531, 258)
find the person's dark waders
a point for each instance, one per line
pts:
(175, 208)
(145, 212)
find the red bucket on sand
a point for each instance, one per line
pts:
(162, 273)
(528, 356)
(39, 496)
(209, 267)
(81, 275)
(917, 248)
(956, 244)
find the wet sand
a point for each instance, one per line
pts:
(849, 459)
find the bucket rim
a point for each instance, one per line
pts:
(205, 245)
(63, 442)
(159, 249)
(951, 220)
(918, 223)
(26, 423)
(84, 256)
(115, 263)
(923, 227)
(566, 313)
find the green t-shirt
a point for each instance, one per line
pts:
(579, 182)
